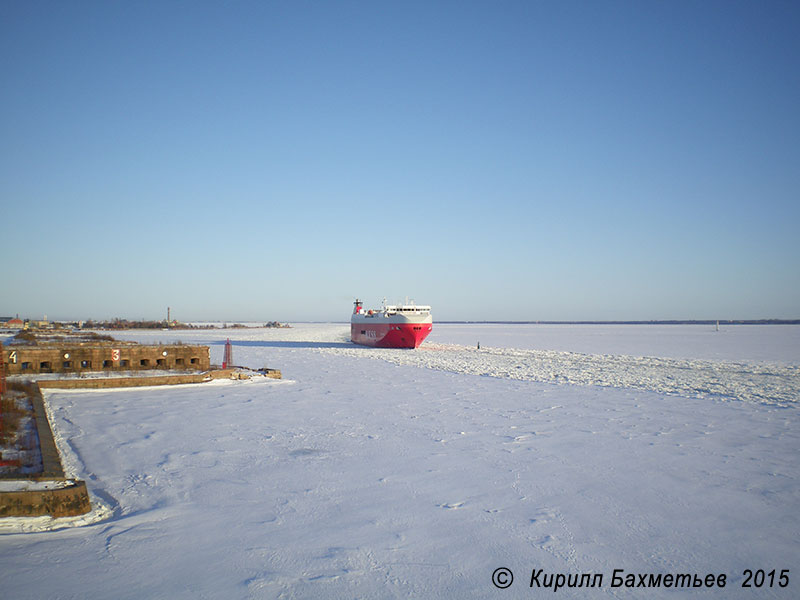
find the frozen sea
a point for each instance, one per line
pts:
(369, 473)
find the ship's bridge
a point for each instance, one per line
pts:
(407, 309)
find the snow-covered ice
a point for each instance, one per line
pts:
(371, 473)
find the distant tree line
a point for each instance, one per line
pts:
(144, 324)
(126, 324)
(33, 338)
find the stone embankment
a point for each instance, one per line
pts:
(50, 492)
(64, 498)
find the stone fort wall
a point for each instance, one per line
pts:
(79, 358)
(68, 501)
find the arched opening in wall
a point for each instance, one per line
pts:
(44, 367)
(86, 364)
(178, 362)
(144, 362)
(161, 362)
(67, 364)
(107, 364)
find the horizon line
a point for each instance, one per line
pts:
(770, 321)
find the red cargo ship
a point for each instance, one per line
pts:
(401, 326)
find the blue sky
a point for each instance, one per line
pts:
(504, 160)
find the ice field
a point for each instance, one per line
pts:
(369, 473)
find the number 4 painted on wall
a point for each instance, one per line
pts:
(13, 356)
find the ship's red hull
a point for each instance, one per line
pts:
(390, 335)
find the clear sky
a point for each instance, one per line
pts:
(497, 160)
